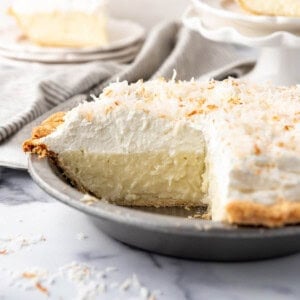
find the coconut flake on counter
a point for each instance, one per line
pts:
(81, 236)
(12, 244)
(87, 281)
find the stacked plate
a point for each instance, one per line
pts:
(125, 40)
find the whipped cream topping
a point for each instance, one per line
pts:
(33, 6)
(252, 133)
(124, 124)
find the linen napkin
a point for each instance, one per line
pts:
(27, 93)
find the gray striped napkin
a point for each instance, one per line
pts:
(26, 93)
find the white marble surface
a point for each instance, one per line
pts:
(69, 236)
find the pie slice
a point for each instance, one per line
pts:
(61, 23)
(288, 8)
(230, 145)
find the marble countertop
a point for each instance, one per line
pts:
(50, 251)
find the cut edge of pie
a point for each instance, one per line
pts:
(49, 125)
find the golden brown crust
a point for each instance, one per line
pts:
(275, 215)
(33, 145)
(157, 203)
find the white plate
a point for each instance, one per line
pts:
(121, 34)
(229, 10)
(125, 54)
(238, 34)
(278, 61)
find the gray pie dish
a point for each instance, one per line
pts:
(170, 231)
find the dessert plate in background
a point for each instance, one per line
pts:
(278, 60)
(122, 34)
(253, 37)
(121, 55)
(228, 12)
(169, 231)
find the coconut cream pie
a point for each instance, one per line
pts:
(61, 23)
(231, 145)
(288, 8)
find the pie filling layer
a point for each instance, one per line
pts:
(145, 179)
